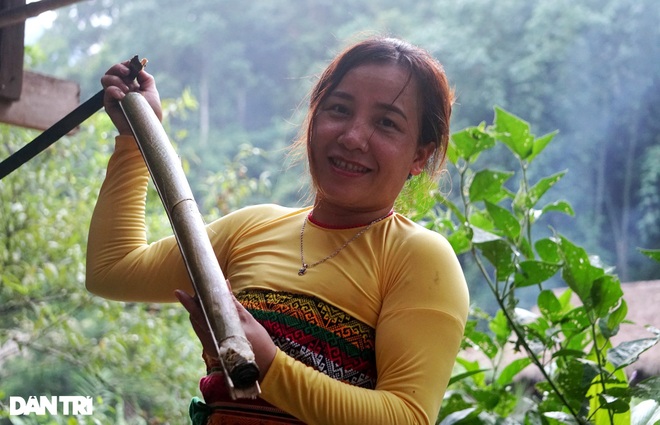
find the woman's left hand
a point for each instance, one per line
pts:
(263, 347)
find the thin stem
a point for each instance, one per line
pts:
(521, 337)
(601, 369)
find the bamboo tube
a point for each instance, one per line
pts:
(208, 280)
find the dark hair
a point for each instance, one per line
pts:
(436, 95)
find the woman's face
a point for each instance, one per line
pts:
(364, 140)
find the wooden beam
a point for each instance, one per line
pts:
(44, 101)
(11, 54)
(21, 12)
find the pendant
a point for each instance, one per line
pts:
(302, 270)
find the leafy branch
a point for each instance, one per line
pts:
(495, 221)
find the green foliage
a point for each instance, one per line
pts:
(140, 362)
(587, 68)
(581, 378)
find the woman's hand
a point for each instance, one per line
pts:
(117, 83)
(263, 347)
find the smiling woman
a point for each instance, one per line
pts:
(364, 144)
(355, 313)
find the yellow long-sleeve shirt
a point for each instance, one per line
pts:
(398, 278)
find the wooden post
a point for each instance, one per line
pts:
(12, 45)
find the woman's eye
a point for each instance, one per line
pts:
(386, 122)
(340, 109)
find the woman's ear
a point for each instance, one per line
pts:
(422, 156)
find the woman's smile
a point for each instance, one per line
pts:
(352, 168)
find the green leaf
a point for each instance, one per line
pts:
(480, 236)
(514, 133)
(504, 220)
(548, 250)
(484, 343)
(653, 254)
(578, 272)
(499, 325)
(464, 375)
(565, 352)
(605, 294)
(500, 255)
(483, 221)
(646, 412)
(559, 206)
(549, 305)
(488, 185)
(540, 144)
(527, 200)
(533, 272)
(618, 315)
(561, 417)
(605, 329)
(457, 417)
(467, 144)
(460, 241)
(512, 369)
(614, 404)
(647, 389)
(628, 352)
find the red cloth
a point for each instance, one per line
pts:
(239, 412)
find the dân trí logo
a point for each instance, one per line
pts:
(54, 405)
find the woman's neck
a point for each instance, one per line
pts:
(339, 217)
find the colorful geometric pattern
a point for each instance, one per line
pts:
(317, 334)
(307, 329)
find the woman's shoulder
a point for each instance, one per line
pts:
(410, 233)
(255, 215)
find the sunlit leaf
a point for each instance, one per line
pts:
(460, 241)
(512, 369)
(561, 417)
(533, 272)
(614, 404)
(484, 343)
(647, 389)
(651, 253)
(465, 375)
(616, 317)
(540, 188)
(499, 325)
(559, 206)
(500, 255)
(514, 132)
(578, 272)
(457, 417)
(628, 352)
(488, 185)
(646, 412)
(548, 304)
(540, 144)
(467, 144)
(548, 249)
(504, 220)
(605, 294)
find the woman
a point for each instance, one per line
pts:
(354, 312)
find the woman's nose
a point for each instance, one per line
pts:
(356, 135)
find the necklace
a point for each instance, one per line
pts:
(306, 266)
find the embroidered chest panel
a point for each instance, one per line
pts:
(317, 334)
